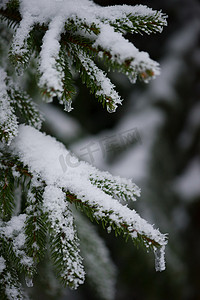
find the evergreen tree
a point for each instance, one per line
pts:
(41, 181)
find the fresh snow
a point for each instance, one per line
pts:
(52, 75)
(41, 154)
(20, 39)
(85, 9)
(13, 231)
(105, 87)
(56, 15)
(8, 120)
(61, 220)
(122, 50)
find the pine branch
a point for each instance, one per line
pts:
(52, 74)
(36, 228)
(43, 215)
(109, 212)
(8, 120)
(92, 200)
(13, 258)
(98, 37)
(78, 25)
(56, 78)
(63, 240)
(125, 67)
(69, 90)
(23, 44)
(12, 239)
(10, 285)
(6, 193)
(112, 218)
(119, 188)
(96, 80)
(23, 105)
(133, 23)
(15, 102)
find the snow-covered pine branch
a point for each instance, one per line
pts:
(14, 103)
(14, 258)
(8, 120)
(64, 38)
(83, 26)
(41, 156)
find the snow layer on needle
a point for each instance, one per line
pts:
(55, 12)
(123, 51)
(121, 11)
(55, 205)
(115, 43)
(19, 44)
(117, 187)
(8, 120)
(47, 9)
(42, 155)
(16, 224)
(52, 73)
(106, 88)
(14, 232)
(61, 220)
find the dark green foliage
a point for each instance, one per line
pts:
(69, 90)
(120, 228)
(36, 227)
(75, 25)
(9, 281)
(89, 75)
(148, 24)
(23, 106)
(6, 193)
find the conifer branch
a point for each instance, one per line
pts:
(6, 193)
(115, 186)
(135, 24)
(23, 105)
(63, 240)
(10, 285)
(96, 80)
(112, 220)
(36, 229)
(8, 119)
(93, 37)
(110, 212)
(12, 239)
(63, 36)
